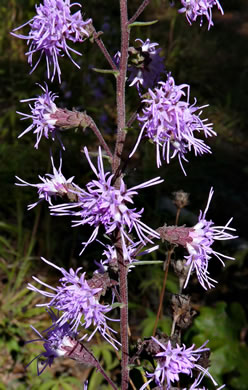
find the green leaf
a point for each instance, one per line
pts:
(142, 24)
(108, 71)
(147, 324)
(96, 380)
(147, 262)
(117, 304)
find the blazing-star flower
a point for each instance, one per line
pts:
(172, 123)
(195, 8)
(50, 29)
(148, 65)
(199, 245)
(43, 124)
(55, 338)
(171, 362)
(102, 204)
(197, 382)
(110, 255)
(145, 64)
(78, 302)
(52, 185)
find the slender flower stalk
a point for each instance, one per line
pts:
(50, 29)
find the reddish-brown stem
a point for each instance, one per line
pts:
(139, 11)
(97, 132)
(103, 49)
(121, 135)
(165, 279)
(108, 379)
(161, 299)
(81, 354)
(124, 323)
(120, 87)
(177, 216)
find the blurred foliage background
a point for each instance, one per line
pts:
(215, 65)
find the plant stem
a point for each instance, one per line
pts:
(121, 135)
(139, 11)
(103, 49)
(161, 299)
(97, 132)
(81, 354)
(120, 87)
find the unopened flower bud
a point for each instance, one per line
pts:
(182, 311)
(181, 199)
(66, 119)
(178, 235)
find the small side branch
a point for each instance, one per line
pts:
(139, 11)
(97, 132)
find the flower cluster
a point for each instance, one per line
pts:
(195, 8)
(54, 339)
(173, 361)
(52, 185)
(172, 123)
(147, 65)
(43, 124)
(78, 302)
(102, 204)
(110, 255)
(50, 29)
(199, 245)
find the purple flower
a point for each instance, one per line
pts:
(171, 362)
(41, 115)
(110, 255)
(102, 204)
(195, 385)
(55, 338)
(148, 65)
(172, 123)
(52, 185)
(199, 246)
(78, 302)
(195, 8)
(50, 29)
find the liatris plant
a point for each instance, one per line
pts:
(173, 123)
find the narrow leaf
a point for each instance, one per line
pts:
(141, 24)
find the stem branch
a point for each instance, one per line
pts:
(161, 299)
(139, 11)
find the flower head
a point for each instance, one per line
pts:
(171, 362)
(195, 8)
(172, 123)
(147, 65)
(78, 302)
(199, 245)
(102, 204)
(52, 185)
(55, 338)
(43, 124)
(50, 29)
(110, 255)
